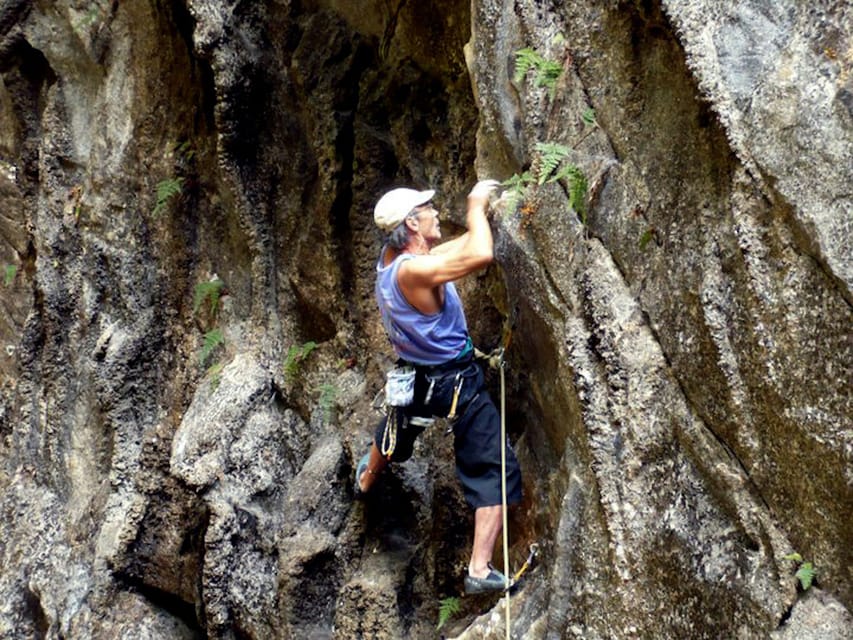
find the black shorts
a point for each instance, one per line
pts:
(476, 431)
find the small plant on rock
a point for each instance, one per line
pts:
(9, 273)
(545, 72)
(215, 373)
(549, 165)
(296, 355)
(805, 570)
(166, 190)
(447, 608)
(208, 292)
(327, 400)
(213, 339)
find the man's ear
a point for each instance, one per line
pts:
(412, 223)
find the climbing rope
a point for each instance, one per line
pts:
(503, 497)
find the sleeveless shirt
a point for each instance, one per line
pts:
(419, 338)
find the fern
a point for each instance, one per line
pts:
(588, 117)
(185, 150)
(551, 154)
(447, 608)
(577, 188)
(328, 396)
(516, 187)
(525, 60)
(805, 572)
(208, 291)
(215, 373)
(212, 340)
(166, 190)
(9, 273)
(296, 355)
(547, 72)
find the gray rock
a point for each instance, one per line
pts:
(679, 365)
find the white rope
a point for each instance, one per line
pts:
(503, 498)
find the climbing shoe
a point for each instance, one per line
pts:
(495, 581)
(359, 470)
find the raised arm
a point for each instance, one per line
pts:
(456, 258)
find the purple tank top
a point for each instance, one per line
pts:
(420, 338)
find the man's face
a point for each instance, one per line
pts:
(428, 224)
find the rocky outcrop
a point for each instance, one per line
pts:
(191, 348)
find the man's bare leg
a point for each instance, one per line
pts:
(488, 522)
(374, 468)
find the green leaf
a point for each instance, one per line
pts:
(166, 190)
(516, 190)
(647, 236)
(296, 354)
(215, 374)
(589, 116)
(805, 574)
(447, 608)
(547, 71)
(328, 396)
(796, 557)
(577, 190)
(212, 340)
(208, 291)
(9, 274)
(525, 59)
(551, 154)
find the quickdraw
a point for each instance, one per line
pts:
(531, 556)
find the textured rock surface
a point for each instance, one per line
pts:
(680, 364)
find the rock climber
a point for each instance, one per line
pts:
(425, 322)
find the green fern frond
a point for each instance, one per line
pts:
(805, 574)
(296, 355)
(551, 154)
(212, 340)
(208, 291)
(215, 374)
(547, 71)
(166, 190)
(447, 608)
(525, 60)
(588, 116)
(516, 187)
(547, 75)
(328, 396)
(577, 189)
(9, 273)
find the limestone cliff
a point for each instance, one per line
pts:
(190, 346)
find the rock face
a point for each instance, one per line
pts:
(191, 347)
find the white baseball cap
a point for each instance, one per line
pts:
(395, 205)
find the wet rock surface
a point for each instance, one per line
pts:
(190, 347)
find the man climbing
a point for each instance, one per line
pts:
(423, 317)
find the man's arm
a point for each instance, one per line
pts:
(451, 244)
(471, 251)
